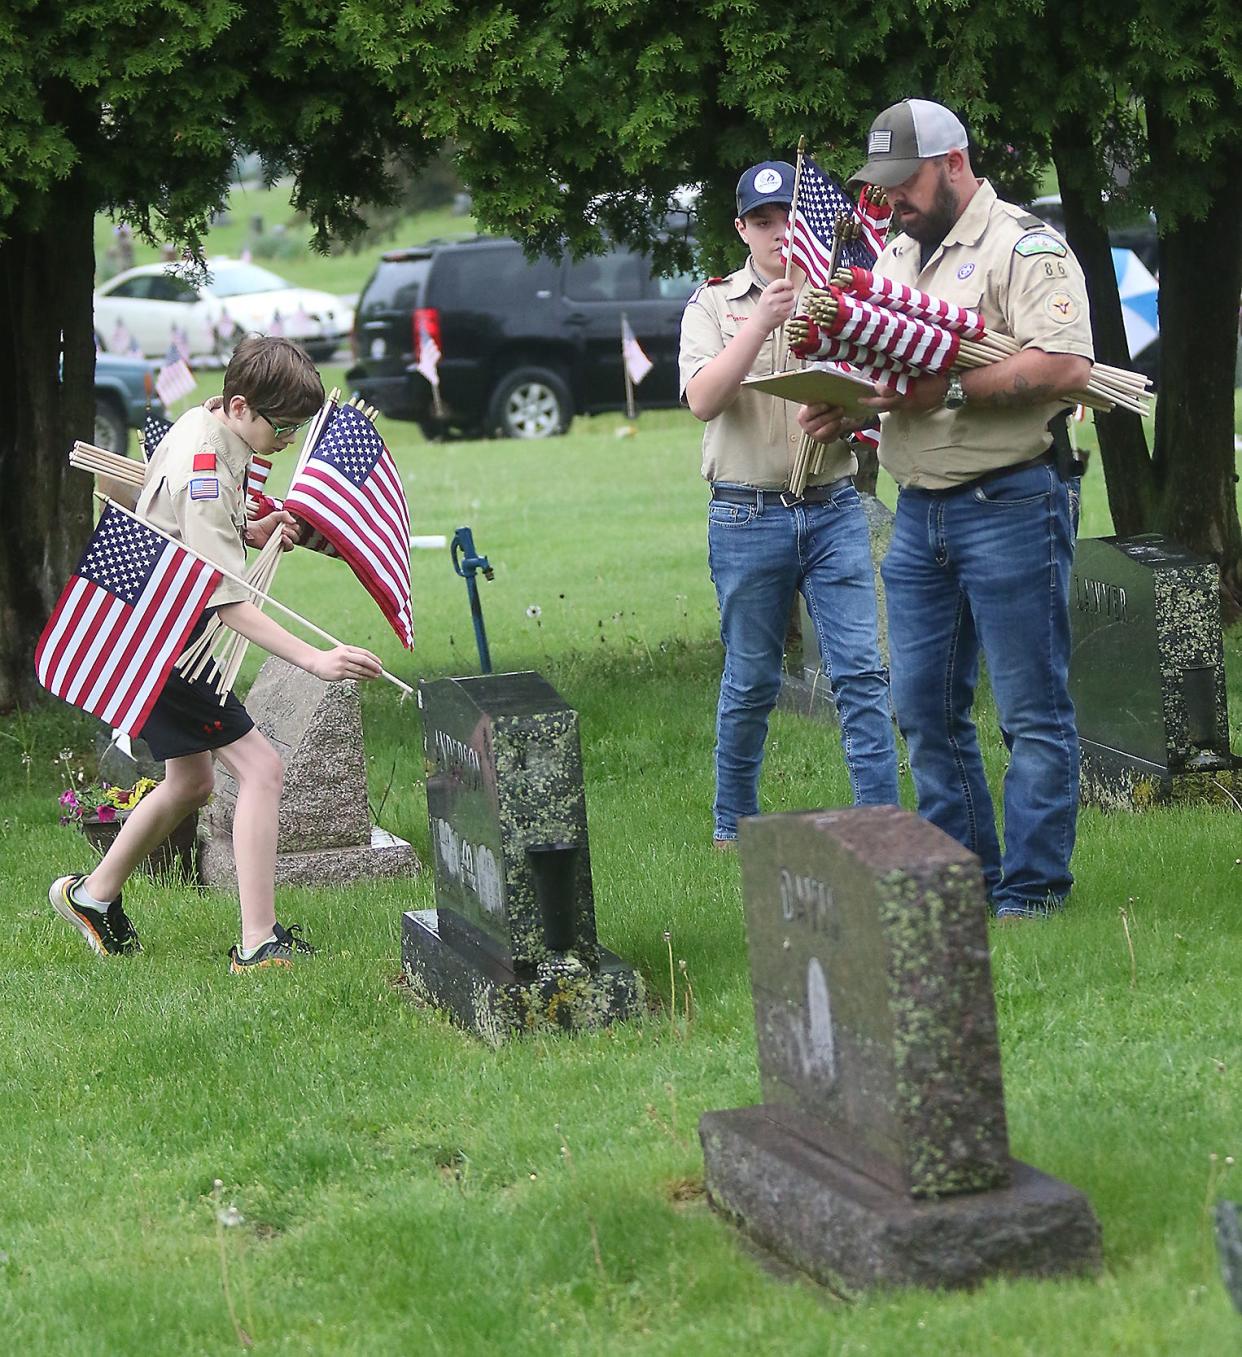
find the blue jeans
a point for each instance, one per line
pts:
(759, 559)
(989, 567)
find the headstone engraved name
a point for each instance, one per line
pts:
(1147, 674)
(806, 689)
(325, 833)
(511, 945)
(880, 1154)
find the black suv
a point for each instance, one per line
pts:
(523, 346)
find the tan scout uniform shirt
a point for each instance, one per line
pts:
(1028, 285)
(749, 442)
(205, 507)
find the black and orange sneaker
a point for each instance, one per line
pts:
(279, 950)
(107, 932)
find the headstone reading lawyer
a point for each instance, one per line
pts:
(511, 945)
(1147, 674)
(325, 837)
(880, 1155)
(806, 689)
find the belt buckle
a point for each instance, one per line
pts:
(789, 500)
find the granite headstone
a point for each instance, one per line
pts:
(1147, 674)
(511, 945)
(325, 835)
(880, 1154)
(805, 688)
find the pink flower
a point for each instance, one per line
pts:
(67, 798)
(106, 814)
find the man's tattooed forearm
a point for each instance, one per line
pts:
(1021, 393)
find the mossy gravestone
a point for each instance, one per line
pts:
(879, 1155)
(1147, 675)
(326, 837)
(511, 945)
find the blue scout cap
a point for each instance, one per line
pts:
(769, 182)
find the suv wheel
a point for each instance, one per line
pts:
(111, 431)
(530, 403)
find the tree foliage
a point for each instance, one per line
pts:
(139, 107)
(578, 120)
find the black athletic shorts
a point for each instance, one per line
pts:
(188, 716)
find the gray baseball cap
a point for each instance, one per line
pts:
(905, 134)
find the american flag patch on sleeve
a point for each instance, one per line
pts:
(205, 487)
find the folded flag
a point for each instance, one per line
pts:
(122, 620)
(637, 364)
(350, 491)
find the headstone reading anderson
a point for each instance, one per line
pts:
(879, 1155)
(326, 836)
(1147, 674)
(511, 945)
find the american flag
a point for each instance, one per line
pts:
(637, 364)
(121, 338)
(875, 213)
(821, 200)
(349, 490)
(178, 344)
(175, 380)
(122, 621)
(152, 433)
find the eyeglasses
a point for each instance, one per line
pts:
(284, 430)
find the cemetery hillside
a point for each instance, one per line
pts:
(350, 1157)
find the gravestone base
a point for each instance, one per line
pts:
(385, 856)
(474, 984)
(807, 696)
(852, 1234)
(1115, 780)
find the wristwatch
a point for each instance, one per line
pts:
(955, 396)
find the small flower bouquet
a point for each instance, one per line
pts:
(101, 803)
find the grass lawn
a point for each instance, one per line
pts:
(399, 1187)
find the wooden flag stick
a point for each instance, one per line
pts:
(251, 589)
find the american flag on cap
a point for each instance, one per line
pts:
(122, 620)
(350, 491)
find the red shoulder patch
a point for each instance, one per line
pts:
(204, 461)
(711, 282)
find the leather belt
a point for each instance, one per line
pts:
(774, 499)
(1044, 459)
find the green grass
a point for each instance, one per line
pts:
(404, 1188)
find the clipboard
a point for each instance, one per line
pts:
(817, 386)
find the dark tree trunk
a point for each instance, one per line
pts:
(1128, 472)
(46, 276)
(1200, 280)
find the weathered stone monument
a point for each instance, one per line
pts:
(805, 688)
(880, 1155)
(1147, 674)
(511, 945)
(326, 837)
